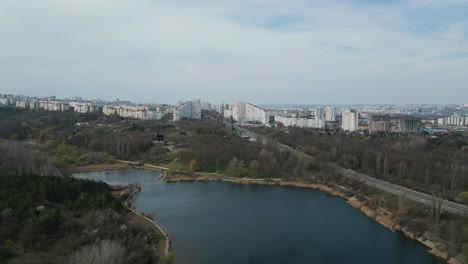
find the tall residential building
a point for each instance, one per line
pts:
(84, 107)
(318, 112)
(379, 123)
(22, 104)
(188, 110)
(206, 106)
(34, 105)
(454, 120)
(247, 112)
(330, 114)
(128, 111)
(300, 122)
(408, 125)
(350, 120)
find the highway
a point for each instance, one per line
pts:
(414, 195)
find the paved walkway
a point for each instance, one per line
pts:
(166, 236)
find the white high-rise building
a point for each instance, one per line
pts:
(206, 106)
(330, 114)
(318, 113)
(247, 112)
(300, 122)
(188, 110)
(350, 120)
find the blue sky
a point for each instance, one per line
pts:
(314, 52)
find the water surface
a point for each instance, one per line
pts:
(219, 222)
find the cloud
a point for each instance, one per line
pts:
(261, 51)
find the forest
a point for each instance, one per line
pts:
(51, 143)
(48, 217)
(433, 164)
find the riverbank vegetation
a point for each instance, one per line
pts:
(52, 219)
(431, 164)
(434, 165)
(48, 217)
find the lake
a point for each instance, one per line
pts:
(220, 222)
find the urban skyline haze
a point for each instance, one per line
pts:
(269, 52)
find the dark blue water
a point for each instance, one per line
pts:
(217, 222)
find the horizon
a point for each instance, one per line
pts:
(234, 102)
(267, 52)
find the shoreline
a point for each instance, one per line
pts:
(167, 238)
(99, 167)
(381, 218)
(434, 248)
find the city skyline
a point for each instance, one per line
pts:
(270, 52)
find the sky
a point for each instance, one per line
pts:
(260, 51)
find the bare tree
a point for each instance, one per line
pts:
(403, 203)
(401, 169)
(105, 252)
(427, 177)
(436, 206)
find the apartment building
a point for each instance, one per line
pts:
(350, 120)
(300, 122)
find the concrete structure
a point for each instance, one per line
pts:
(350, 120)
(379, 123)
(130, 111)
(206, 106)
(453, 121)
(34, 105)
(300, 122)
(330, 114)
(249, 113)
(54, 105)
(408, 125)
(188, 110)
(81, 107)
(318, 113)
(22, 104)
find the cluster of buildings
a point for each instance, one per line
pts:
(77, 104)
(189, 110)
(300, 122)
(375, 119)
(132, 111)
(454, 120)
(316, 119)
(245, 113)
(49, 103)
(352, 120)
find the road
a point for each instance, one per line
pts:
(414, 195)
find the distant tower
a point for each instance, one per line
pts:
(330, 114)
(318, 112)
(350, 120)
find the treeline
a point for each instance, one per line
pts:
(419, 162)
(69, 139)
(214, 148)
(27, 124)
(126, 145)
(26, 158)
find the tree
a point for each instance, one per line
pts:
(105, 252)
(232, 166)
(193, 166)
(403, 203)
(254, 166)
